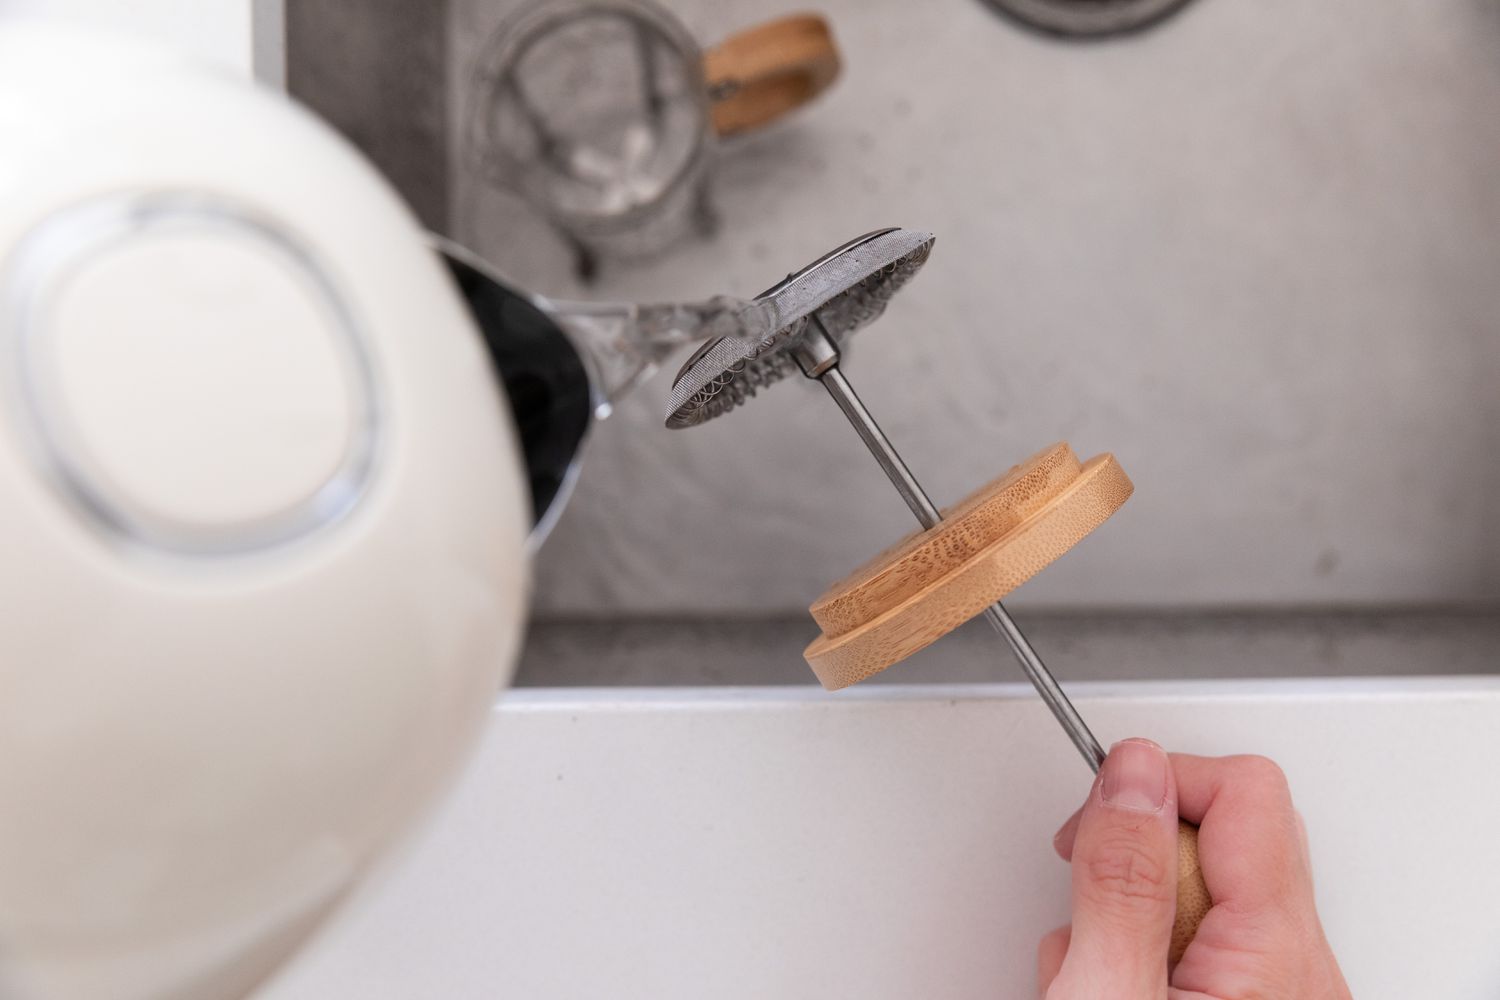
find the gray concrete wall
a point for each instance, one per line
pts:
(375, 70)
(1255, 253)
(1077, 646)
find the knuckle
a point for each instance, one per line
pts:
(1056, 940)
(1126, 870)
(1262, 772)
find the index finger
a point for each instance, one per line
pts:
(1249, 839)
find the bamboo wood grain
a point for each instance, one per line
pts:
(986, 546)
(757, 75)
(1193, 901)
(930, 584)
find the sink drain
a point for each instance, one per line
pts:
(1087, 18)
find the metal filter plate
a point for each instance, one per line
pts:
(848, 288)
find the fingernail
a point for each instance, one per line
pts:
(1135, 776)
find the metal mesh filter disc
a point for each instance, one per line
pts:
(848, 289)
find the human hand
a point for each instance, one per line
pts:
(1261, 939)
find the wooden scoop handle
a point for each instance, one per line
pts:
(1193, 901)
(757, 75)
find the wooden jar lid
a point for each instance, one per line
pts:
(986, 546)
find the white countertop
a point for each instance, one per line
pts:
(894, 842)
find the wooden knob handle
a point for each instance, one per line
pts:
(1193, 901)
(757, 75)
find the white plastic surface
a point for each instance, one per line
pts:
(220, 31)
(887, 844)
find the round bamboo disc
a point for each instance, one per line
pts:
(986, 546)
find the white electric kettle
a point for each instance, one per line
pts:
(262, 524)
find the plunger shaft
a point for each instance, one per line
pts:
(818, 355)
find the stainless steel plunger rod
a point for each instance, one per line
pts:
(819, 359)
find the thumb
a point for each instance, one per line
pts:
(1124, 878)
